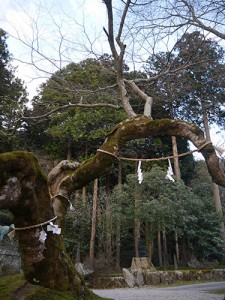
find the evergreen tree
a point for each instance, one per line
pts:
(13, 96)
(171, 207)
(79, 130)
(202, 81)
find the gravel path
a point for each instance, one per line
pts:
(185, 292)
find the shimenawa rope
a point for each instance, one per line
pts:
(155, 159)
(35, 226)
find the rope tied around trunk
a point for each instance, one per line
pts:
(35, 226)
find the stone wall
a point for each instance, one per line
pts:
(143, 273)
(141, 277)
(10, 261)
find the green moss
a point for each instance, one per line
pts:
(22, 160)
(43, 293)
(8, 284)
(15, 287)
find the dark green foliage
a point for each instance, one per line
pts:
(78, 223)
(202, 82)
(6, 218)
(78, 228)
(157, 147)
(77, 132)
(171, 206)
(183, 93)
(13, 97)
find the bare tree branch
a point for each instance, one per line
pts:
(118, 57)
(70, 105)
(110, 32)
(196, 21)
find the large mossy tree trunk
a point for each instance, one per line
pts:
(24, 191)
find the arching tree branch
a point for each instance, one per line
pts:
(134, 128)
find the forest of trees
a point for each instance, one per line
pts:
(102, 119)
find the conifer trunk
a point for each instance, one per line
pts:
(118, 220)
(178, 176)
(93, 224)
(159, 248)
(176, 160)
(177, 247)
(84, 213)
(149, 240)
(84, 196)
(100, 233)
(108, 220)
(69, 147)
(165, 251)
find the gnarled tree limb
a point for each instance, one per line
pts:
(134, 128)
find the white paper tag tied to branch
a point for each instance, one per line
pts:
(140, 175)
(169, 172)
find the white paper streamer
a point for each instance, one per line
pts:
(54, 228)
(169, 172)
(140, 175)
(42, 236)
(71, 206)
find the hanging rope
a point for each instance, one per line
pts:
(155, 159)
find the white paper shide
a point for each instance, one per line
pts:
(169, 172)
(140, 174)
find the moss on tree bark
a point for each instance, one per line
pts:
(24, 190)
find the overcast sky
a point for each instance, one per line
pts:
(54, 18)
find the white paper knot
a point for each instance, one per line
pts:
(140, 175)
(71, 206)
(54, 228)
(42, 236)
(169, 172)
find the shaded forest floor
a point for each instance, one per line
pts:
(15, 287)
